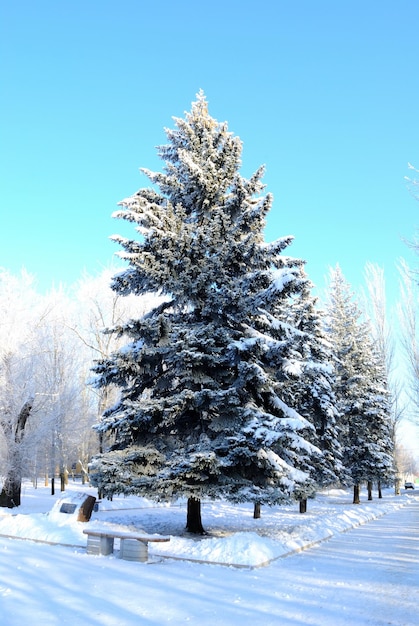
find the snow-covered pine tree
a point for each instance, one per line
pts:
(199, 413)
(361, 389)
(309, 382)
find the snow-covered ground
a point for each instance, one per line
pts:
(234, 537)
(61, 584)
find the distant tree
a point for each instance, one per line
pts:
(41, 385)
(413, 181)
(408, 310)
(99, 309)
(382, 329)
(18, 355)
(361, 389)
(409, 328)
(60, 370)
(377, 311)
(407, 461)
(200, 412)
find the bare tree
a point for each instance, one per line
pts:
(40, 383)
(19, 314)
(98, 309)
(62, 363)
(376, 309)
(407, 462)
(10, 494)
(413, 181)
(408, 312)
(375, 305)
(47, 347)
(409, 327)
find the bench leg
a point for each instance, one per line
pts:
(134, 550)
(99, 545)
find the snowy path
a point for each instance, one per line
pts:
(367, 576)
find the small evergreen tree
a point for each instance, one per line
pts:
(361, 389)
(200, 412)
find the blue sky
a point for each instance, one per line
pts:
(324, 93)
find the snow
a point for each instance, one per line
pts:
(234, 573)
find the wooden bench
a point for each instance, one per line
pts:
(133, 546)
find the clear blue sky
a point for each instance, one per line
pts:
(325, 93)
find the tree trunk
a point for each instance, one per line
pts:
(256, 510)
(369, 487)
(193, 520)
(11, 492)
(62, 480)
(380, 494)
(356, 494)
(303, 505)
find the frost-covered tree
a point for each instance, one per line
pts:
(61, 376)
(99, 308)
(408, 315)
(361, 389)
(20, 315)
(383, 334)
(200, 412)
(408, 311)
(413, 185)
(308, 380)
(42, 387)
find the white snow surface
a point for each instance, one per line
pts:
(234, 537)
(56, 584)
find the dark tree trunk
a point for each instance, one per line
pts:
(356, 494)
(380, 494)
(193, 520)
(303, 505)
(10, 494)
(62, 480)
(369, 487)
(256, 510)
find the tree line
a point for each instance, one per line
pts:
(47, 347)
(236, 385)
(217, 374)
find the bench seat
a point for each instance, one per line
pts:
(133, 546)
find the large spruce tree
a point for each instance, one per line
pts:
(361, 389)
(200, 412)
